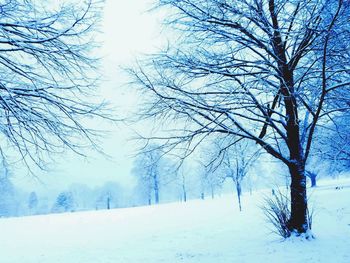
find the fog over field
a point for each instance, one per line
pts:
(174, 131)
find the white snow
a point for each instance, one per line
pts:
(199, 231)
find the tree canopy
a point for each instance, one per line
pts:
(48, 74)
(270, 71)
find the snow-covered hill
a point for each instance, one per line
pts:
(199, 231)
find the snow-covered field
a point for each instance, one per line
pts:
(198, 231)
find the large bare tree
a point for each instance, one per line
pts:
(270, 71)
(47, 74)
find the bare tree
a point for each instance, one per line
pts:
(210, 178)
(211, 181)
(183, 184)
(47, 76)
(269, 71)
(237, 161)
(109, 195)
(8, 202)
(334, 144)
(32, 203)
(150, 168)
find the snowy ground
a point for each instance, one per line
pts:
(199, 231)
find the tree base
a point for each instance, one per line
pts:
(308, 235)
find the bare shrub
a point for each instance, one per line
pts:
(276, 209)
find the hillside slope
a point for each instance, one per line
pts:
(198, 231)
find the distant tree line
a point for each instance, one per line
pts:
(78, 197)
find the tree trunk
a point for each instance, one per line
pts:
(149, 198)
(312, 177)
(184, 193)
(313, 180)
(239, 192)
(156, 196)
(184, 188)
(298, 221)
(108, 203)
(156, 189)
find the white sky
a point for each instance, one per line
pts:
(128, 31)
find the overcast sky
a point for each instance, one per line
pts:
(128, 31)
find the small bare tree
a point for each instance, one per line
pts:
(47, 74)
(209, 177)
(183, 184)
(237, 161)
